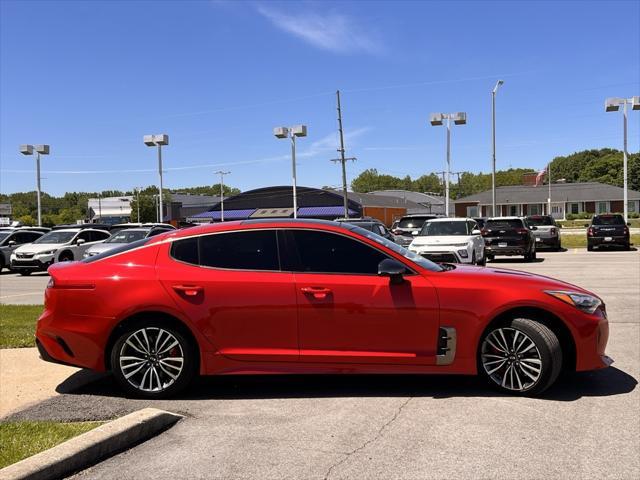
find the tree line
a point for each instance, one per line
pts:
(603, 165)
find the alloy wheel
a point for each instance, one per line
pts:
(511, 359)
(151, 359)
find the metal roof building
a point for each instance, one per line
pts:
(566, 198)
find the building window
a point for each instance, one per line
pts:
(472, 211)
(631, 206)
(556, 209)
(574, 208)
(602, 207)
(513, 210)
(534, 209)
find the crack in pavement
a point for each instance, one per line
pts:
(368, 442)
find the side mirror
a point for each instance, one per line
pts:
(476, 232)
(392, 269)
(80, 241)
(12, 243)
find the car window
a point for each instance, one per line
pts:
(325, 252)
(4, 235)
(56, 237)
(504, 224)
(97, 236)
(381, 230)
(157, 231)
(186, 250)
(539, 220)
(444, 228)
(84, 235)
(471, 226)
(247, 250)
(608, 220)
(126, 236)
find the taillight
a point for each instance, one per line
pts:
(522, 231)
(626, 230)
(484, 231)
(590, 232)
(396, 231)
(51, 283)
(553, 231)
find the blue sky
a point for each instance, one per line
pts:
(91, 78)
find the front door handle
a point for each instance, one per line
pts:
(188, 290)
(318, 292)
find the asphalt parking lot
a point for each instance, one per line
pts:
(18, 290)
(402, 427)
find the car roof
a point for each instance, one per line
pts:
(452, 219)
(504, 218)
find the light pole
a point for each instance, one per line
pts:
(159, 141)
(40, 149)
(138, 204)
(613, 105)
(292, 132)
(436, 119)
(222, 174)
(493, 141)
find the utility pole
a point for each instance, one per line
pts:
(342, 158)
(100, 206)
(549, 181)
(138, 203)
(222, 174)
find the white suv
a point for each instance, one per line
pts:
(62, 245)
(453, 240)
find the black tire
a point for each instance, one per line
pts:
(25, 273)
(490, 258)
(154, 363)
(547, 352)
(589, 248)
(626, 247)
(473, 258)
(65, 257)
(483, 261)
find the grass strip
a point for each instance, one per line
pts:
(18, 325)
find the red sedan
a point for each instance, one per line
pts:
(295, 296)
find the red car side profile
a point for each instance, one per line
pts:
(309, 296)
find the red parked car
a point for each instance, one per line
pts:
(296, 296)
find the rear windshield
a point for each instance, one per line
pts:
(498, 224)
(412, 222)
(445, 228)
(608, 220)
(127, 236)
(540, 220)
(114, 251)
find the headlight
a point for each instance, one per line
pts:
(48, 252)
(582, 301)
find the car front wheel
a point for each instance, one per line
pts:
(153, 361)
(521, 357)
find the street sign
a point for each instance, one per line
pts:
(5, 209)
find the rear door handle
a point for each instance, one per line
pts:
(317, 292)
(188, 290)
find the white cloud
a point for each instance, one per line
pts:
(329, 31)
(331, 142)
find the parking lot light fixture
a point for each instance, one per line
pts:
(494, 92)
(222, 174)
(159, 140)
(292, 133)
(436, 120)
(40, 150)
(613, 104)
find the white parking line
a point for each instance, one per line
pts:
(20, 295)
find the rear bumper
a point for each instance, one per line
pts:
(547, 241)
(597, 241)
(508, 250)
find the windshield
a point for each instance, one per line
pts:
(444, 228)
(608, 220)
(56, 237)
(504, 224)
(414, 257)
(127, 236)
(540, 220)
(3, 235)
(412, 222)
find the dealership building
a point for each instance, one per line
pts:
(277, 202)
(566, 198)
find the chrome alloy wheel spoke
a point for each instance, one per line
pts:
(511, 359)
(151, 359)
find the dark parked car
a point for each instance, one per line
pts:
(12, 239)
(370, 224)
(409, 224)
(509, 236)
(481, 221)
(607, 230)
(547, 233)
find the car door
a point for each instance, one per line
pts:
(350, 314)
(478, 241)
(231, 286)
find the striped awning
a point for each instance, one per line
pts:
(228, 214)
(314, 212)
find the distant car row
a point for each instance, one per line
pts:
(28, 249)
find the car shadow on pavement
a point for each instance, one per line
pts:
(569, 387)
(513, 260)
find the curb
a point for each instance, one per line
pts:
(91, 447)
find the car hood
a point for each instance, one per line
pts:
(422, 241)
(38, 247)
(103, 247)
(507, 278)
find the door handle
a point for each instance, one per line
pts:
(317, 292)
(188, 290)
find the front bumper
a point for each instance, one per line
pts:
(448, 255)
(37, 262)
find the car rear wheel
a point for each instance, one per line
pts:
(522, 357)
(153, 360)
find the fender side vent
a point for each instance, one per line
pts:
(446, 346)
